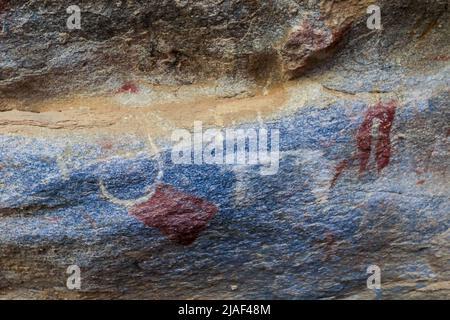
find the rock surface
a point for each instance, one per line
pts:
(87, 175)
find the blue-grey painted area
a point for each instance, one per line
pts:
(289, 235)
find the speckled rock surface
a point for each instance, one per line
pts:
(87, 175)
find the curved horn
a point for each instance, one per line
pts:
(149, 191)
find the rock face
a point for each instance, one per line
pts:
(88, 133)
(308, 45)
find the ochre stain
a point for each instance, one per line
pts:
(420, 182)
(430, 26)
(90, 115)
(178, 215)
(128, 88)
(338, 171)
(385, 113)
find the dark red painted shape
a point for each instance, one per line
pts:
(128, 88)
(338, 171)
(180, 216)
(386, 114)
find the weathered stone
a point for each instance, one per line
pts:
(87, 177)
(308, 45)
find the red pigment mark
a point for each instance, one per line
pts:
(106, 145)
(441, 58)
(420, 182)
(448, 132)
(176, 214)
(128, 88)
(338, 171)
(386, 114)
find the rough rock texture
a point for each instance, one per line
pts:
(86, 174)
(308, 45)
